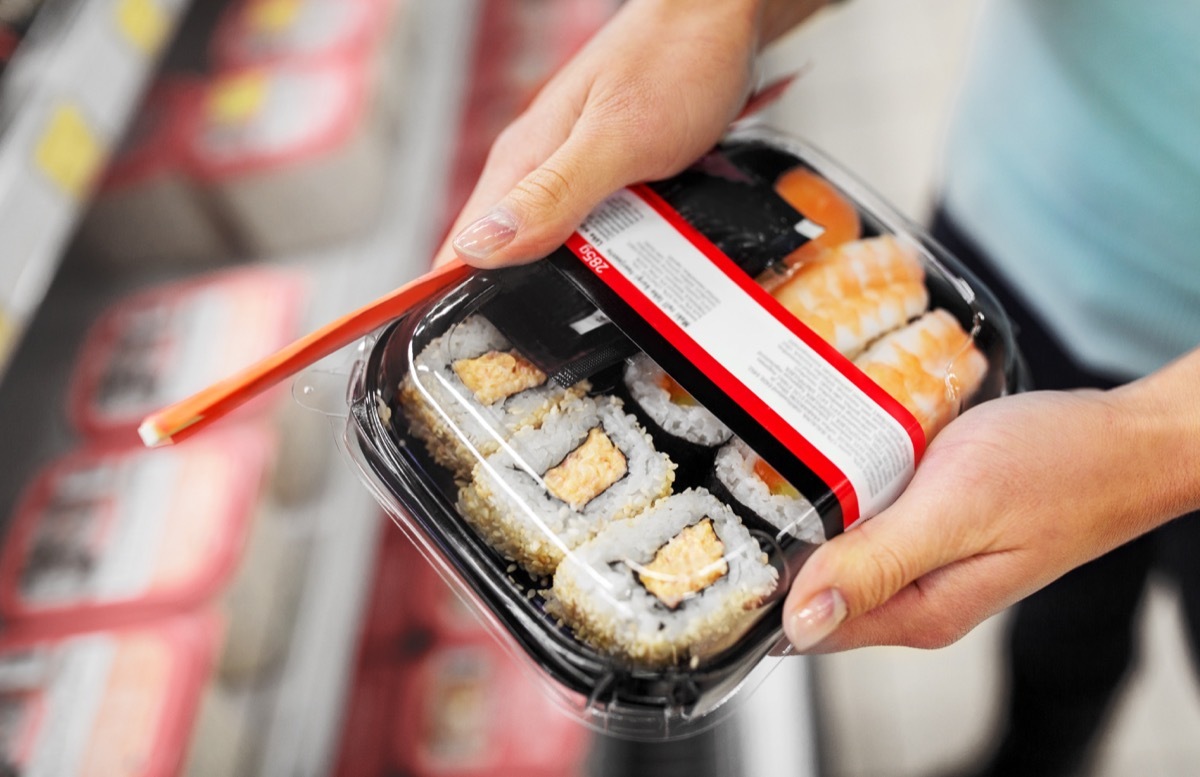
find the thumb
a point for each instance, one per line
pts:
(542, 210)
(860, 570)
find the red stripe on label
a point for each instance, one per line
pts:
(826, 351)
(800, 447)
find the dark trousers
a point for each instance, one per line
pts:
(1071, 643)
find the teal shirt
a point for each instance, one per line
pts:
(1074, 162)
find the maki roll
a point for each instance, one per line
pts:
(673, 586)
(682, 427)
(762, 496)
(551, 488)
(469, 389)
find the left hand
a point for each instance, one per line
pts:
(1009, 497)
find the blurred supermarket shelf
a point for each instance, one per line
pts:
(294, 714)
(304, 725)
(65, 100)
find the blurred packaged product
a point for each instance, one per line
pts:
(439, 609)
(134, 701)
(365, 749)
(161, 344)
(263, 32)
(111, 535)
(148, 211)
(293, 154)
(389, 634)
(469, 710)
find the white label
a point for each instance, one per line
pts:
(807, 392)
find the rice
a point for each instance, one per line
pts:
(787, 514)
(510, 505)
(469, 390)
(601, 587)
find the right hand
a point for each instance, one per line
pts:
(650, 93)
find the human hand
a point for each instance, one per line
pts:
(1010, 496)
(651, 92)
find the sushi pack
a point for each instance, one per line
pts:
(624, 453)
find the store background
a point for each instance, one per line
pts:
(878, 80)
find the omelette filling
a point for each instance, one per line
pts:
(691, 561)
(587, 471)
(497, 375)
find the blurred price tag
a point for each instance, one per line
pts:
(143, 23)
(68, 152)
(8, 331)
(237, 98)
(273, 15)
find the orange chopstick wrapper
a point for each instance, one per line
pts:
(183, 419)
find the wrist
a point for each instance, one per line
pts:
(1161, 428)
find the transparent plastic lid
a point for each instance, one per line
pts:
(625, 452)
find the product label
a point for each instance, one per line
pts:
(163, 347)
(90, 705)
(860, 442)
(120, 529)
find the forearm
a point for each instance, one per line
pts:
(771, 19)
(778, 17)
(1160, 425)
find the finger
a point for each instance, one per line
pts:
(939, 608)
(541, 210)
(524, 145)
(860, 570)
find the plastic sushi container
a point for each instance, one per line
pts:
(67, 701)
(257, 32)
(292, 153)
(623, 454)
(160, 344)
(466, 710)
(110, 535)
(148, 211)
(264, 32)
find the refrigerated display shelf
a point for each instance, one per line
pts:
(65, 100)
(296, 714)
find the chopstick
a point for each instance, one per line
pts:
(183, 419)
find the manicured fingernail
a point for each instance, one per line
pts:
(484, 237)
(817, 619)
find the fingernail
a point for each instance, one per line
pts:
(817, 619)
(484, 237)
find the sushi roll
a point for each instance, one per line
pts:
(852, 294)
(760, 495)
(681, 426)
(551, 488)
(469, 390)
(931, 366)
(673, 586)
